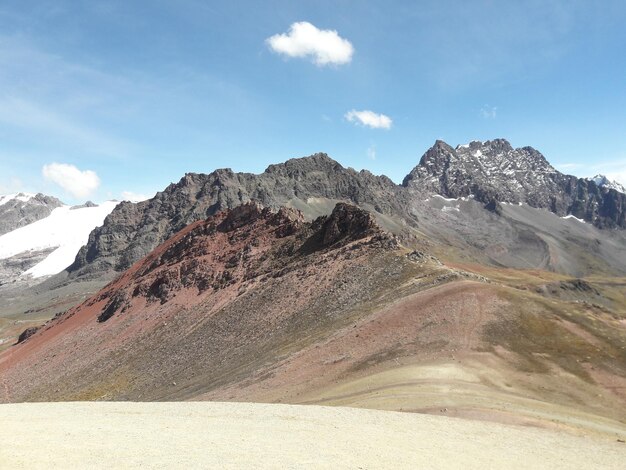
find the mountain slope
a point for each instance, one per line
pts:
(261, 305)
(239, 273)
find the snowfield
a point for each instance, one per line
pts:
(65, 229)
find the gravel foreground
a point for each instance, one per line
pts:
(246, 435)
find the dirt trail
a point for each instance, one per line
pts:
(244, 435)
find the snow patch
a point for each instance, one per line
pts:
(570, 216)
(445, 198)
(66, 229)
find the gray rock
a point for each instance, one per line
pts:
(17, 213)
(132, 230)
(82, 206)
(493, 171)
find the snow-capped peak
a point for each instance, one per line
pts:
(23, 197)
(603, 182)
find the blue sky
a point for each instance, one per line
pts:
(138, 93)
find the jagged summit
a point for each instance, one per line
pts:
(490, 160)
(494, 171)
(603, 182)
(316, 162)
(196, 196)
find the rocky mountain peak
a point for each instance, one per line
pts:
(494, 171)
(301, 166)
(603, 182)
(18, 210)
(493, 167)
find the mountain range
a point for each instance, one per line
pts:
(486, 285)
(491, 173)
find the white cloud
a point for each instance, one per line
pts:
(488, 112)
(134, 197)
(323, 46)
(79, 184)
(369, 119)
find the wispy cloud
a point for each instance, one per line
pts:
(62, 102)
(371, 152)
(369, 119)
(304, 40)
(488, 112)
(36, 119)
(521, 39)
(79, 184)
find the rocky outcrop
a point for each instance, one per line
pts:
(22, 209)
(27, 333)
(132, 230)
(82, 206)
(235, 247)
(493, 171)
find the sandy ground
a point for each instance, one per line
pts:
(242, 435)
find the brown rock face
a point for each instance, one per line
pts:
(232, 289)
(205, 257)
(346, 221)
